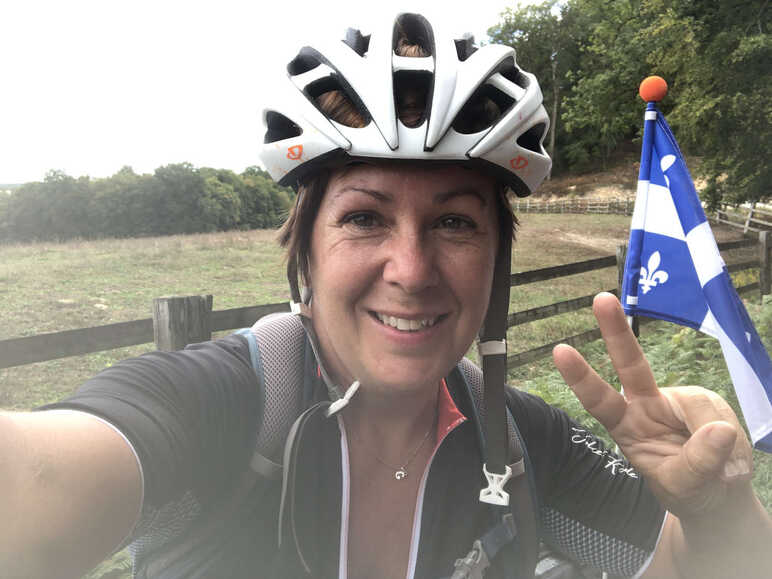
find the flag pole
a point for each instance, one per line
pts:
(652, 90)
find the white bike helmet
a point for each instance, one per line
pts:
(456, 77)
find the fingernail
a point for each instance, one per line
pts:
(736, 467)
(720, 438)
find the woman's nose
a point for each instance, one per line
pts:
(411, 263)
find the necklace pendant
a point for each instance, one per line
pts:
(400, 474)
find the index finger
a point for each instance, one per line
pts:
(624, 350)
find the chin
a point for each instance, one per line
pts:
(404, 378)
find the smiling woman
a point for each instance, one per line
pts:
(416, 248)
(399, 458)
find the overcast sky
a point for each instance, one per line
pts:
(87, 86)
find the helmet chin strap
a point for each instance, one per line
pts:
(300, 305)
(492, 346)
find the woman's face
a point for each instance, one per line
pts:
(401, 268)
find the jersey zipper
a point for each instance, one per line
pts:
(415, 539)
(344, 503)
(346, 500)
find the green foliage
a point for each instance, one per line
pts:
(544, 37)
(177, 198)
(590, 56)
(725, 110)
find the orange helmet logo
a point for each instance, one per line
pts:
(518, 163)
(295, 152)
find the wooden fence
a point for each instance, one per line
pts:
(756, 218)
(178, 321)
(618, 206)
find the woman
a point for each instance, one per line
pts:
(401, 232)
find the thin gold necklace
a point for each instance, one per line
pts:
(400, 472)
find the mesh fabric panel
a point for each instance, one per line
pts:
(591, 547)
(281, 341)
(474, 376)
(158, 526)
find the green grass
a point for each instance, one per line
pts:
(50, 287)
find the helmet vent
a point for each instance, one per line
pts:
(303, 62)
(532, 138)
(509, 70)
(358, 43)
(465, 47)
(487, 105)
(332, 98)
(279, 127)
(412, 89)
(413, 36)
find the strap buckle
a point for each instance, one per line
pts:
(473, 565)
(341, 403)
(301, 309)
(492, 347)
(494, 493)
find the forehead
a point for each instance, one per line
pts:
(410, 179)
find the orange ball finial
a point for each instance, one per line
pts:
(653, 88)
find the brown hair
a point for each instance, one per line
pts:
(295, 234)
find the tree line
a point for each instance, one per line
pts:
(590, 56)
(176, 198)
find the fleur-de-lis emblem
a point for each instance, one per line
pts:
(652, 277)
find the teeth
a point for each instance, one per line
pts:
(406, 325)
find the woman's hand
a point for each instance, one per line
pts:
(686, 441)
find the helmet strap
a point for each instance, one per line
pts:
(493, 352)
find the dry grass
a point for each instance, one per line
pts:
(49, 287)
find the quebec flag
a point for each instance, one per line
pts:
(674, 272)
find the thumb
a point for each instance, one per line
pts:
(706, 452)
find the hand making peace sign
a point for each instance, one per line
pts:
(686, 441)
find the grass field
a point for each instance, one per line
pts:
(51, 287)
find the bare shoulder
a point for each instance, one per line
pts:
(70, 489)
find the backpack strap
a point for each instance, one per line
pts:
(517, 522)
(277, 351)
(277, 347)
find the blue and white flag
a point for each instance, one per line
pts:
(674, 272)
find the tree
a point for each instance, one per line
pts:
(546, 39)
(724, 111)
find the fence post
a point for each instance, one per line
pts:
(748, 219)
(621, 257)
(765, 269)
(179, 321)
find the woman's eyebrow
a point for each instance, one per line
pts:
(446, 196)
(374, 193)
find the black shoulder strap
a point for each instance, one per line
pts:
(522, 502)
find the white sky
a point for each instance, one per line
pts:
(87, 86)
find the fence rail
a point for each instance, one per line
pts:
(617, 206)
(178, 321)
(742, 218)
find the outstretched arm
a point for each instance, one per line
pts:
(688, 444)
(69, 493)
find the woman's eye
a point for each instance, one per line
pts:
(455, 222)
(363, 220)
